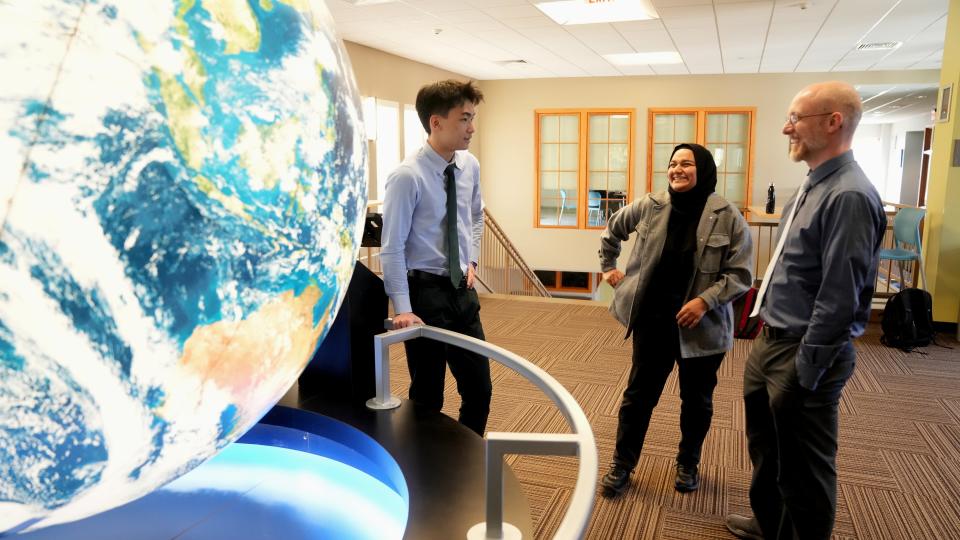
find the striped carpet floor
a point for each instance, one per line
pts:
(899, 459)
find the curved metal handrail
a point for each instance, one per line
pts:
(580, 442)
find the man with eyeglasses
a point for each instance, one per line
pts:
(815, 298)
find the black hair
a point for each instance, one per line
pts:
(440, 97)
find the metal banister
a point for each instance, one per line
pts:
(580, 442)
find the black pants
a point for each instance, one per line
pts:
(438, 303)
(656, 346)
(792, 437)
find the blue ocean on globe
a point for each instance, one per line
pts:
(182, 186)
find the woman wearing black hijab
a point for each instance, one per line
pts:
(692, 257)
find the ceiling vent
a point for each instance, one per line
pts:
(879, 46)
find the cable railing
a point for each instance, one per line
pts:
(498, 444)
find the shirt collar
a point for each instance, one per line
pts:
(829, 167)
(436, 161)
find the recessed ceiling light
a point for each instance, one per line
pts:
(598, 11)
(646, 58)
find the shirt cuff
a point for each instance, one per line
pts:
(812, 361)
(401, 303)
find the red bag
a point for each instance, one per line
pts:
(745, 326)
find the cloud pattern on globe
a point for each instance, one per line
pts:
(182, 186)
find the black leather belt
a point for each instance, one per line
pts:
(421, 275)
(779, 333)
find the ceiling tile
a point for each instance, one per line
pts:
(694, 31)
(638, 26)
(743, 30)
(650, 41)
(462, 16)
(529, 22)
(674, 3)
(635, 70)
(434, 6)
(670, 69)
(513, 12)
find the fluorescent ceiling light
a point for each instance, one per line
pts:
(597, 11)
(646, 58)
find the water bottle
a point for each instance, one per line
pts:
(771, 199)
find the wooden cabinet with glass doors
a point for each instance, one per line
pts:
(584, 166)
(726, 132)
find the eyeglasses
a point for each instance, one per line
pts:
(793, 118)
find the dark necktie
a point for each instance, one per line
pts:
(453, 245)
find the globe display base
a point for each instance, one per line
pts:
(390, 402)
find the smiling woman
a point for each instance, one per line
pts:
(682, 171)
(692, 257)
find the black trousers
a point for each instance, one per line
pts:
(438, 303)
(792, 438)
(656, 346)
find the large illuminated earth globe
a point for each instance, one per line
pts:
(181, 197)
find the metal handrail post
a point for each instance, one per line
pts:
(580, 442)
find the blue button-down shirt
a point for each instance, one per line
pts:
(415, 219)
(823, 285)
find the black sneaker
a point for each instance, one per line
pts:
(688, 478)
(616, 479)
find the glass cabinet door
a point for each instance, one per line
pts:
(559, 166)
(669, 130)
(726, 132)
(728, 138)
(608, 166)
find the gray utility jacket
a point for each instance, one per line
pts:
(723, 262)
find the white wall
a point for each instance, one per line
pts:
(893, 139)
(873, 155)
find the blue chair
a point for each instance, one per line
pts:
(593, 205)
(906, 231)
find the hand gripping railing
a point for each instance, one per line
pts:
(498, 444)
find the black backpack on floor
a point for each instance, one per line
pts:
(907, 320)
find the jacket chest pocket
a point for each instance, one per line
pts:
(642, 229)
(713, 253)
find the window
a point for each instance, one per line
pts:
(382, 120)
(726, 132)
(413, 133)
(388, 142)
(584, 166)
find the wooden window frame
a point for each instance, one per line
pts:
(582, 162)
(701, 127)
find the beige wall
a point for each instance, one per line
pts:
(507, 138)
